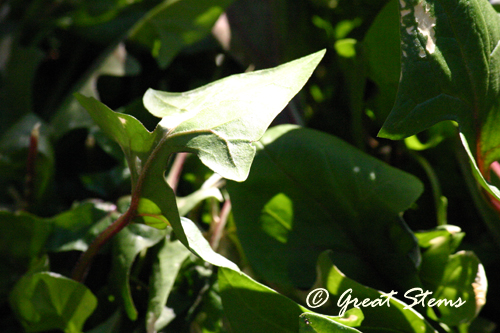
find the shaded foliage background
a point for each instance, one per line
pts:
(111, 50)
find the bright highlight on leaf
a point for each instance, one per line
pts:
(151, 214)
(220, 121)
(45, 301)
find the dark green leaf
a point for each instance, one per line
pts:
(70, 113)
(19, 65)
(14, 147)
(76, 228)
(165, 269)
(450, 70)
(382, 51)
(112, 325)
(172, 25)
(24, 235)
(127, 244)
(47, 301)
(309, 192)
(253, 307)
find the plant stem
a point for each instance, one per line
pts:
(82, 267)
(29, 187)
(220, 223)
(176, 170)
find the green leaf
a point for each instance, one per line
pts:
(19, 65)
(47, 301)
(309, 192)
(24, 235)
(436, 134)
(221, 121)
(438, 245)
(382, 51)
(127, 244)
(165, 269)
(134, 139)
(200, 246)
(389, 316)
(253, 307)
(463, 279)
(70, 114)
(76, 229)
(451, 276)
(317, 323)
(187, 203)
(450, 69)
(151, 215)
(174, 24)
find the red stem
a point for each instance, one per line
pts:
(82, 267)
(220, 224)
(29, 188)
(175, 172)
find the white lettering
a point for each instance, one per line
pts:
(317, 300)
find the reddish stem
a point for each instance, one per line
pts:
(175, 172)
(29, 188)
(82, 267)
(220, 225)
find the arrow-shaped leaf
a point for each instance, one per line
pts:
(450, 71)
(219, 122)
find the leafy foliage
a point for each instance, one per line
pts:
(135, 158)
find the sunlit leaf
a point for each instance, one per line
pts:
(451, 276)
(48, 301)
(220, 121)
(388, 314)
